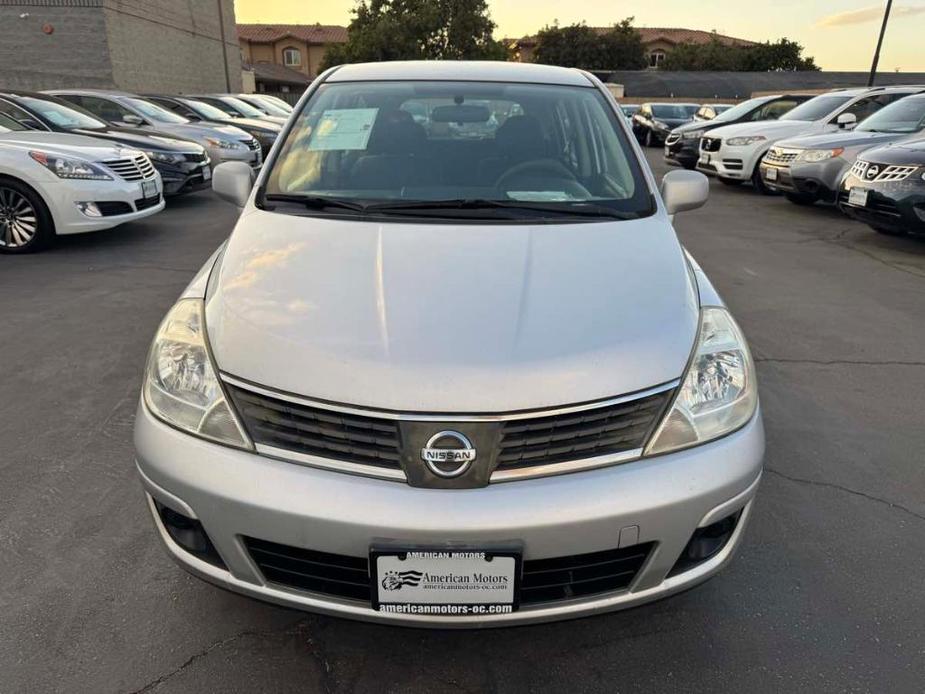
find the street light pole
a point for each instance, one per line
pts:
(873, 67)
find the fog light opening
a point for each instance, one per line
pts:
(89, 209)
(189, 534)
(706, 543)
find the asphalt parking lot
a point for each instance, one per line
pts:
(827, 593)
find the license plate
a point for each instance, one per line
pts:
(704, 159)
(858, 197)
(444, 582)
(206, 173)
(770, 173)
(149, 189)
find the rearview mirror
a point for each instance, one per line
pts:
(684, 190)
(461, 113)
(847, 120)
(232, 182)
(132, 119)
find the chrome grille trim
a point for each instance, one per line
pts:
(781, 155)
(859, 168)
(138, 168)
(896, 173)
(672, 138)
(889, 173)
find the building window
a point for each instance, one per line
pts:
(656, 58)
(292, 57)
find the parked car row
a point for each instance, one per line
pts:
(76, 160)
(861, 149)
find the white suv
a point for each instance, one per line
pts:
(732, 153)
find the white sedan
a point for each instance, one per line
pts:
(53, 184)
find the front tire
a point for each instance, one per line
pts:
(758, 183)
(26, 225)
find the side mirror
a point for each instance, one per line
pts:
(132, 119)
(846, 121)
(232, 182)
(684, 190)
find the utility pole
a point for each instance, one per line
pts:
(873, 67)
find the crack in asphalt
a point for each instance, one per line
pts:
(839, 362)
(319, 654)
(199, 655)
(847, 490)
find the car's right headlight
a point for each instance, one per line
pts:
(224, 144)
(718, 394)
(745, 140)
(66, 167)
(181, 387)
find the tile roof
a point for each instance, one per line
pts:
(271, 72)
(310, 33)
(652, 34)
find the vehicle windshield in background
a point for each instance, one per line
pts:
(204, 110)
(7, 124)
(242, 108)
(469, 145)
(674, 110)
(816, 108)
(63, 116)
(739, 110)
(904, 116)
(271, 108)
(155, 112)
(721, 108)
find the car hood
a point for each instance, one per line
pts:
(771, 129)
(674, 122)
(688, 126)
(197, 131)
(63, 144)
(447, 318)
(141, 139)
(840, 139)
(905, 153)
(259, 123)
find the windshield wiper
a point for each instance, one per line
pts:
(317, 202)
(579, 209)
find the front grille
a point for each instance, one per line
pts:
(376, 441)
(314, 431)
(875, 206)
(733, 164)
(113, 208)
(710, 144)
(137, 168)
(781, 156)
(145, 203)
(578, 435)
(195, 156)
(672, 138)
(543, 581)
(884, 173)
(252, 144)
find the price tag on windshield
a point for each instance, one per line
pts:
(343, 129)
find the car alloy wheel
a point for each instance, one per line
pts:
(18, 219)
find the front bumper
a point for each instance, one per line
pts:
(237, 494)
(681, 152)
(816, 180)
(896, 206)
(736, 163)
(186, 178)
(121, 200)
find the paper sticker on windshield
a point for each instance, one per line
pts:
(343, 128)
(540, 195)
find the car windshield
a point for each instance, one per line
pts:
(155, 112)
(7, 124)
(739, 110)
(244, 109)
(63, 116)
(817, 108)
(204, 110)
(267, 106)
(492, 150)
(719, 108)
(674, 110)
(903, 116)
(275, 100)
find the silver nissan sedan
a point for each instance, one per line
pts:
(452, 367)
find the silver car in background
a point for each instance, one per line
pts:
(443, 379)
(223, 142)
(810, 169)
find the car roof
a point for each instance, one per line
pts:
(99, 92)
(460, 70)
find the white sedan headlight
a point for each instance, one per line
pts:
(744, 141)
(181, 386)
(814, 155)
(718, 394)
(66, 167)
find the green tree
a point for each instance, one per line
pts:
(761, 57)
(581, 46)
(418, 30)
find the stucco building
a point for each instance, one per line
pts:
(136, 45)
(286, 55)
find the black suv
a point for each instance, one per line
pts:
(652, 122)
(683, 143)
(183, 165)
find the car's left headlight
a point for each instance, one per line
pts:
(66, 167)
(693, 134)
(165, 157)
(225, 144)
(718, 393)
(181, 386)
(745, 140)
(814, 155)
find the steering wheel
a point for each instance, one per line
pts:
(537, 167)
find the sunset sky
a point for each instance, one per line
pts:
(840, 34)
